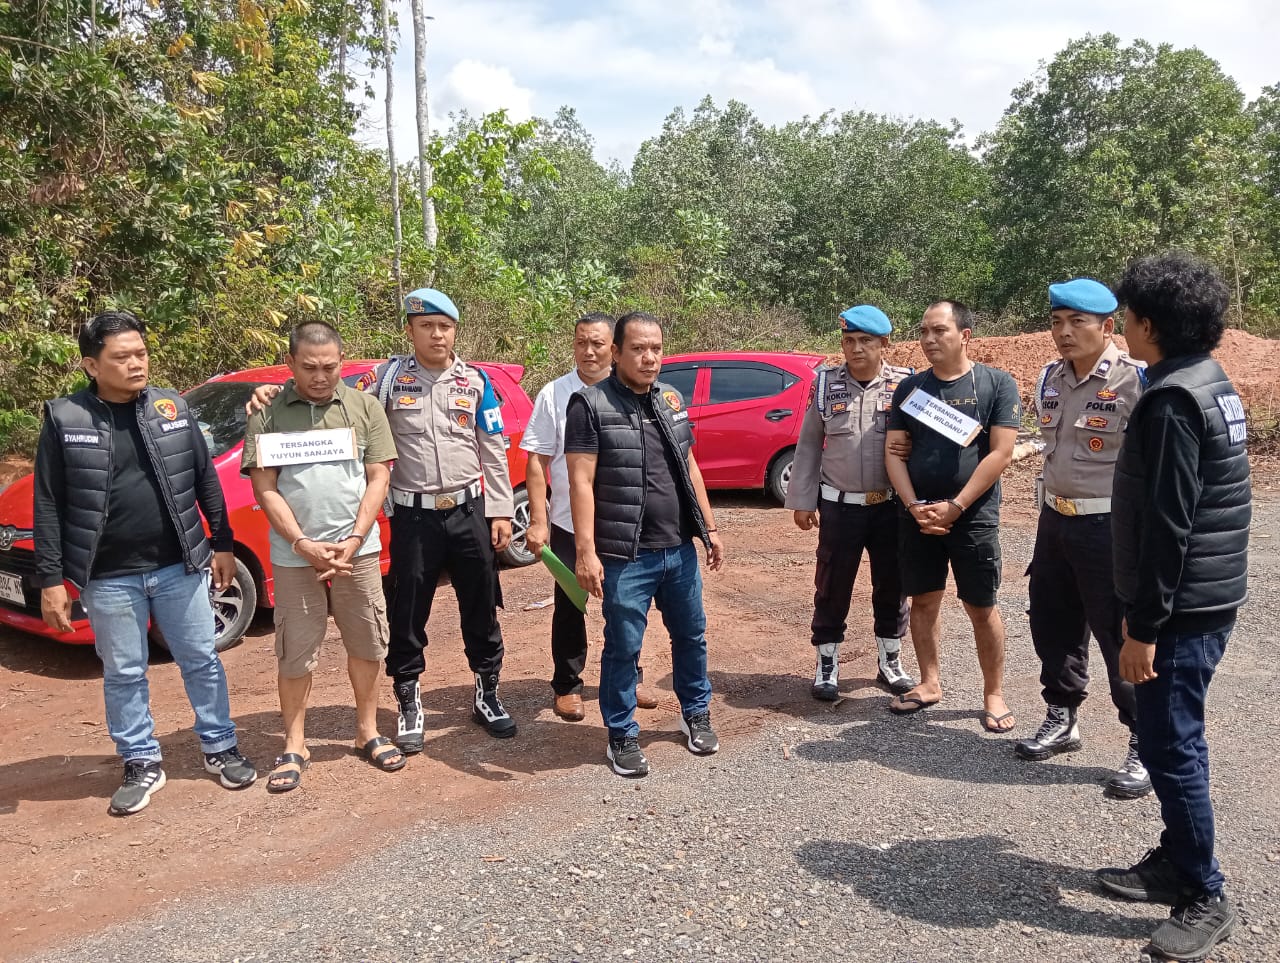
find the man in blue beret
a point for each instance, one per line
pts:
(450, 506)
(1083, 399)
(839, 484)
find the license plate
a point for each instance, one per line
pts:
(11, 589)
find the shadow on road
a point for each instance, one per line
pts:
(924, 748)
(34, 655)
(973, 882)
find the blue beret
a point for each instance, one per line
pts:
(865, 317)
(429, 301)
(1082, 294)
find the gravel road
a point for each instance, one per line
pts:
(832, 833)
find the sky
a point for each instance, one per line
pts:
(625, 64)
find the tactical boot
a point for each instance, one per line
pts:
(409, 724)
(1131, 780)
(826, 683)
(891, 673)
(488, 710)
(1058, 733)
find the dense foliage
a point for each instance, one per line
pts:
(199, 162)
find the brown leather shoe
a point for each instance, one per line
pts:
(646, 698)
(569, 707)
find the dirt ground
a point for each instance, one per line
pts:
(76, 869)
(82, 869)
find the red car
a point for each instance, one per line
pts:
(218, 405)
(745, 408)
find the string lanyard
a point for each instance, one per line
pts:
(973, 382)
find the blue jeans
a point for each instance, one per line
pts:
(119, 610)
(669, 577)
(1172, 745)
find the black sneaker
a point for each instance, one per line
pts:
(626, 758)
(702, 740)
(1058, 733)
(826, 679)
(488, 710)
(1153, 879)
(1131, 780)
(409, 724)
(1194, 928)
(233, 770)
(141, 779)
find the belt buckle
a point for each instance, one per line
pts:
(446, 501)
(876, 498)
(1064, 506)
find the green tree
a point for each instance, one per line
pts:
(1111, 152)
(719, 162)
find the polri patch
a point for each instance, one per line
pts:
(1232, 409)
(166, 408)
(672, 399)
(1095, 444)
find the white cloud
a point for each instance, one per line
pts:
(624, 64)
(481, 88)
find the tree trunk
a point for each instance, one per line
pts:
(429, 230)
(342, 47)
(388, 55)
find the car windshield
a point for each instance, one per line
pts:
(219, 410)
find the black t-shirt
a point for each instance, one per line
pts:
(139, 535)
(666, 522)
(938, 466)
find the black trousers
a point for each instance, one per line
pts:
(568, 625)
(424, 543)
(843, 532)
(1072, 593)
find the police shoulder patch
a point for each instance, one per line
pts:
(672, 398)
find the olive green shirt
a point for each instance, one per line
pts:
(323, 496)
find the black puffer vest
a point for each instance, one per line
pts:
(1215, 572)
(83, 424)
(619, 486)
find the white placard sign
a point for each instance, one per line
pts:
(942, 418)
(280, 448)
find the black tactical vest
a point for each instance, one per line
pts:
(1215, 573)
(83, 426)
(619, 485)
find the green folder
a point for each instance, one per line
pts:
(565, 578)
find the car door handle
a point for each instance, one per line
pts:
(779, 413)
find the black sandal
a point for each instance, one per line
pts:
(278, 781)
(390, 761)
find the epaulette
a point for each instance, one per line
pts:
(900, 371)
(1044, 376)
